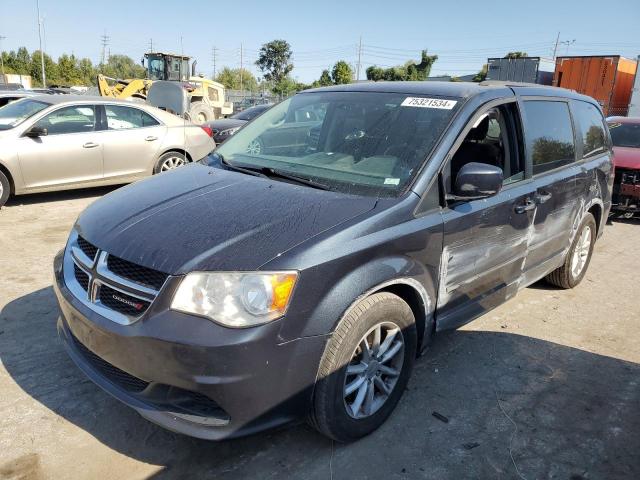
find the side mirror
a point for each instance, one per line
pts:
(477, 180)
(35, 132)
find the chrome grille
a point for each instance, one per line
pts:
(115, 288)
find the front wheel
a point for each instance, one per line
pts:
(365, 368)
(578, 257)
(5, 188)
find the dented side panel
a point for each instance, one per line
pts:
(485, 244)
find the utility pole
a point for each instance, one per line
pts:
(44, 75)
(105, 41)
(2, 59)
(151, 45)
(359, 54)
(241, 71)
(555, 48)
(213, 57)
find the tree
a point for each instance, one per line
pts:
(325, 78)
(122, 66)
(341, 73)
(50, 68)
(516, 55)
(481, 76)
(409, 71)
(274, 60)
(230, 78)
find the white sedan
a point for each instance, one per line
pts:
(59, 142)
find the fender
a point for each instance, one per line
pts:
(328, 299)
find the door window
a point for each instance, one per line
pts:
(75, 119)
(493, 140)
(591, 129)
(124, 118)
(549, 134)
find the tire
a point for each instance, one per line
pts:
(255, 147)
(170, 161)
(566, 276)
(335, 413)
(200, 112)
(5, 188)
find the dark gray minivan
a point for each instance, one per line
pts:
(300, 269)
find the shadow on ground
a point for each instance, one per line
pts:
(48, 197)
(515, 405)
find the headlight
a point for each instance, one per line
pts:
(235, 299)
(229, 131)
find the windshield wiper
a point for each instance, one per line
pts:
(271, 172)
(248, 170)
(268, 172)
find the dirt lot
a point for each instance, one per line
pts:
(546, 386)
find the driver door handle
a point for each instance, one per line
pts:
(542, 197)
(90, 145)
(150, 138)
(526, 206)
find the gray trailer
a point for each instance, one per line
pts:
(634, 104)
(526, 69)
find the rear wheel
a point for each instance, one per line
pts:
(5, 189)
(170, 161)
(577, 260)
(365, 368)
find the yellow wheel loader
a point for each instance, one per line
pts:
(206, 97)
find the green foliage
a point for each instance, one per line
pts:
(341, 73)
(516, 55)
(287, 87)
(409, 71)
(68, 70)
(325, 79)
(122, 67)
(230, 78)
(481, 76)
(274, 60)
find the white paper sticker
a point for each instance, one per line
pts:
(391, 181)
(429, 103)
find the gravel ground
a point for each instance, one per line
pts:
(546, 386)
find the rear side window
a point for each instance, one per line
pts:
(549, 135)
(124, 118)
(591, 129)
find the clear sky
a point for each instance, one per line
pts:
(462, 33)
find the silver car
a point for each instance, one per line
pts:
(51, 142)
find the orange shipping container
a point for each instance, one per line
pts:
(608, 79)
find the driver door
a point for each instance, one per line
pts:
(70, 153)
(485, 241)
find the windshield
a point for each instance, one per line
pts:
(249, 113)
(15, 113)
(624, 134)
(355, 142)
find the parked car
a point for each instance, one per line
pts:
(8, 97)
(252, 289)
(625, 135)
(225, 127)
(59, 142)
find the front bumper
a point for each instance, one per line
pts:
(189, 374)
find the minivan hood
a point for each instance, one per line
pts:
(205, 218)
(626, 157)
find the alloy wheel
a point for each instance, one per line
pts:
(581, 252)
(172, 162)
(373, 371)
(254, 147)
